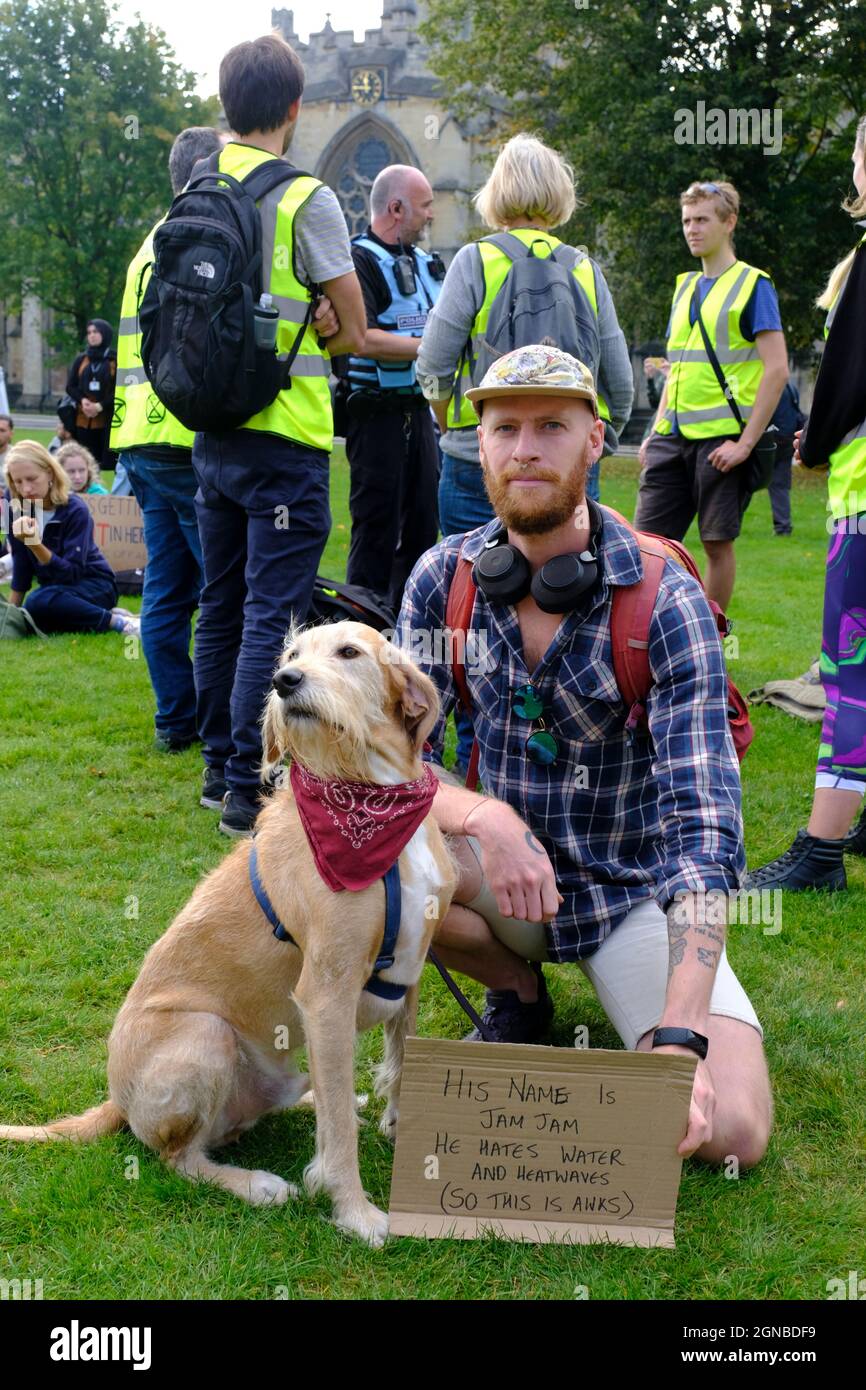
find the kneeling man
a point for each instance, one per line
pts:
(591, 845)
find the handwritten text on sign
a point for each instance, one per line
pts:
(118, 528)
(539, 1143)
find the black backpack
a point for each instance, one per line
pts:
(333, 601)
(539, 301)
(198, 344)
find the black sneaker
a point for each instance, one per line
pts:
(239, 815)
(214, 788)
(855, 841)
(809, 863)
(510, 1020)
(170, 743)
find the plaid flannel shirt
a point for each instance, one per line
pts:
(622, 817)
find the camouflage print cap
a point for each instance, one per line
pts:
(536, 370)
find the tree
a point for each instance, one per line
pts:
(87, 118)
(611, 86)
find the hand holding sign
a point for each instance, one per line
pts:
(539, 1143)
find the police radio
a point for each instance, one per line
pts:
(404, 274)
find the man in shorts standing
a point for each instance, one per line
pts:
(691, 461)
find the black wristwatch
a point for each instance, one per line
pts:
(681, 1037)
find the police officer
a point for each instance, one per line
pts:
(155, 450)
(390, 436)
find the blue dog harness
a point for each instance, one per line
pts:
(393, 901)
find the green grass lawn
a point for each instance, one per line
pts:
(104, 841)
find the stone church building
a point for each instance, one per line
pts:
(374, 103)
(366, 105)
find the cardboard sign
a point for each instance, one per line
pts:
(119, 530)
(539, 1143)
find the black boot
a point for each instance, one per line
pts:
(809, 863)
(510, 1020)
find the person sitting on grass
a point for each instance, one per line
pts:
(52, 541)
(81, 469)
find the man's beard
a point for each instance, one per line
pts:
(527, 516)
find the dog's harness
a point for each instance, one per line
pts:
(393, 903)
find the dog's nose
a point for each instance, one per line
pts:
(287, 680)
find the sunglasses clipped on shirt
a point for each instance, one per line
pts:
(541, 747)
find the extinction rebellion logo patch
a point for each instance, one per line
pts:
(154, 410)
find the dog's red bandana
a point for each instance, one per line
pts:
(357, 831)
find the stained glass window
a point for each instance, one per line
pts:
(355, 180)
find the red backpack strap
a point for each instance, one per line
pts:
(630, 617)
(458, 615)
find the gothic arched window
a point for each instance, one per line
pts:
(355, 176)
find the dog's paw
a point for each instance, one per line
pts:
(366, 1222)
(266, 1189)
(315, 1178)
(388, 1124)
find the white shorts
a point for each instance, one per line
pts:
(629, 971)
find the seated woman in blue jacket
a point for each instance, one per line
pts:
(52, 542)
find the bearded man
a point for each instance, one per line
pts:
(591, 845)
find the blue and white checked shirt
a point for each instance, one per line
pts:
(622, 818)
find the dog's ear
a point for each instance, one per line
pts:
(417, 699)
(272, 749)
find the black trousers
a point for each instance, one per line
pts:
(97, 442)
(394, 464)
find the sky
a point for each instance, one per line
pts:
(201, 33)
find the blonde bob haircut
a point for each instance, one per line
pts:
(28, 451)
(529, 182)
(856, 208)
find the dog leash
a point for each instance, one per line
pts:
(455, 989)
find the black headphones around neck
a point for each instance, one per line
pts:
(503, 575)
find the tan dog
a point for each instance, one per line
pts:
(203, 1045)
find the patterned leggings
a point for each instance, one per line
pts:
(842, 754)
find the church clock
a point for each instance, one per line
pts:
(367, 86)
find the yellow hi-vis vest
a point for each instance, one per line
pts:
(140, 419)
(302, 414)
(496, 265)
(694, 400)
(846, 485)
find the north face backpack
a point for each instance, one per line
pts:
(198, 343)
(539, 301)
(631, 613)
(333, 601)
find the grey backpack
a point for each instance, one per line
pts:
(16, 622)
(539, 301)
